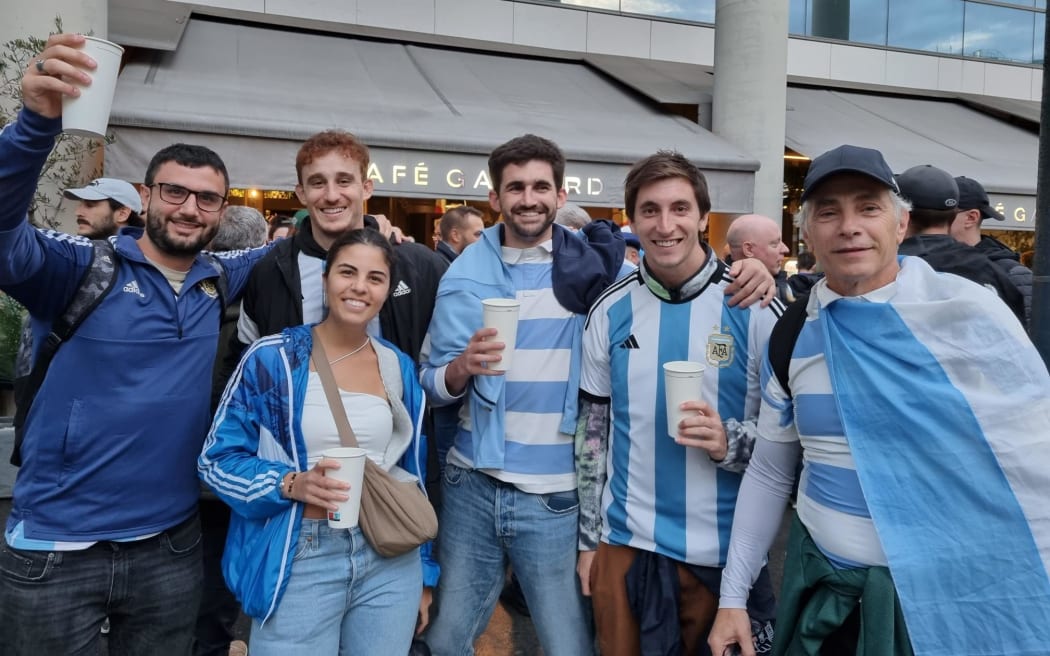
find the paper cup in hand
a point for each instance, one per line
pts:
(682, 381)
(502, 314)
(352, 470)
(88, 114)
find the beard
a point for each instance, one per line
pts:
(157, 231)
(529, 232)
(102, 229)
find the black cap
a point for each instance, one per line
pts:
(848, 159)
(972, 196)
(929, 188)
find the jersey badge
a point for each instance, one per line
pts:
(720, 349)
(208, 287)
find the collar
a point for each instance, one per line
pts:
(692, 287)
(825, 296)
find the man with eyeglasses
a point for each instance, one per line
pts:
(104, 514)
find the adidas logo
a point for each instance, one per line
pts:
(402, 289)
(133, 288)
(630, 343)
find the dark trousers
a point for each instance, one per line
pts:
(219, 609)
(54, 602)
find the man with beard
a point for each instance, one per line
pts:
(104, 513)
(509, 487)
(106, 205)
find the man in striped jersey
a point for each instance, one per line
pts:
(655, 509)
(919, 407)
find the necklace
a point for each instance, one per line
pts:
(347, 355)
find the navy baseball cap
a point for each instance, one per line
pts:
(631, 239)
(972, 196)
(848, 159)
(103, 188)
(929, 188)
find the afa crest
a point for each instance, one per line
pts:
(720, 350)
(208, 287)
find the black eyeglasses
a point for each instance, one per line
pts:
(207, 201)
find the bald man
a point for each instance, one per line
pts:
(759, 237)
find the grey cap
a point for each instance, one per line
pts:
(103, 188)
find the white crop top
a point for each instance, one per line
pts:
(370, 417)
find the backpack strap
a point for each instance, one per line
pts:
(95, 284)
(782, 339)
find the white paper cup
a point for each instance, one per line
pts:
(682, 382)
(352, 470)
(502, 314)
(88, 114)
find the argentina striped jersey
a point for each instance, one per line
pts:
(660, 496)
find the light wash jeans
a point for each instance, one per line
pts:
(484, 525)
(342, 598)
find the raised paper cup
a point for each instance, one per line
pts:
(682, 382)
(352, 470)
(502, 314)
(88, 114)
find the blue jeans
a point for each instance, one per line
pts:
(486, 524)
(342, 598)
(53, 602)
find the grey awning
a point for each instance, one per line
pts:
(254, 94)
(912, 131)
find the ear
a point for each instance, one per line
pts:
(369, 187)
(703, 222)
(121, 216)
(494, 201)
(902, 227)
(562, 197)
(300, 194)
(144, 193)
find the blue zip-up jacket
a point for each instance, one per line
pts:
(257, 438)
(113, 436)
(582, 269)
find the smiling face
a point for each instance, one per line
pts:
(356, 284)
(334, 191)
(852, 226)
(529, 200)
(668, 223)
(182, 231)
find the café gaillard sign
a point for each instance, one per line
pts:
(430, 174)
(1018, 210)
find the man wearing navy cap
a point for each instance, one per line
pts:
(106, 205)
(934, 197)
(974, 207)
(918, 407)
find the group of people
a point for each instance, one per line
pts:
(911, 402)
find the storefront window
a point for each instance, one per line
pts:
(1040, 36)
(797, 22)
(998, 33)
(702, 11)
(931, 25)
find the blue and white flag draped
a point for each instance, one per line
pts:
(946, 407)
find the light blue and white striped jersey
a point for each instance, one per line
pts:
(660, 496)
(538, 458)
(830, 500)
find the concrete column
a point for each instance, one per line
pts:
(750, 94)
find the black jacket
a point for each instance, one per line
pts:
(445, 251)
(273, 297)
(1010, 262)
(945, 254)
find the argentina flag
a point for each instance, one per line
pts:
(946, 406)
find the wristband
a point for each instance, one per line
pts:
(288, 488)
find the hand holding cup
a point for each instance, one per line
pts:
(55, 74)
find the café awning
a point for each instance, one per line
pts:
(430, 115)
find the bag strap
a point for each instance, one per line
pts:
(331, 391)
(782, 339)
